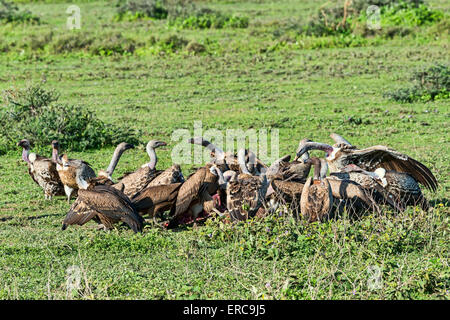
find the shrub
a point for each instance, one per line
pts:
(113, 43)
(172, 43)
(71, 41)
(347, 16)
(10, 13)
(430, 84)
(411, 16)
(205, 18)
(35, 114)
(137, 9)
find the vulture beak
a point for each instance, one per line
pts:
(128, 146)
(23, 143)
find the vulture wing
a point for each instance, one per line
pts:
(112, 203)
(189, 191)
(151, 196)
(79, 214)
(389, 159)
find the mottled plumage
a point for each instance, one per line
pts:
(342, 154)
(316, 201)
(246, 194)
(43, 171)
(168, 176)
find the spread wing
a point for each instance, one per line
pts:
(389, 159)
(79, 214)
(112, 203)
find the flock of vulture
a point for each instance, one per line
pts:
(237, 186)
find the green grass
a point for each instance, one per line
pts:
(263, 76)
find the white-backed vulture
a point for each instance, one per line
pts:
(132, 183)
(105, 202)
(229, 161)
(43, 171)
(245, 192)
(372, 158)
(402, 189)
(107, 174)
(316, 202)
(72, 172)
(171, 175)
(154, 200)
(103, 178)
(195, 195)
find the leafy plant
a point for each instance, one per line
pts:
(345, 17)
(10, 13)
(137, 9)
(430, 84)
(34, 113)
(205, 18)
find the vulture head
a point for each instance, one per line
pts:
(217, 154)
(25, 144)
(305, 155)
(311, 145)
(153, 144)
(125, 146)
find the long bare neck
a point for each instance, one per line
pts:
(153, 159)
(55, 157)
(323, 169)
(114, 160)
(25, 153)
(316, 169)
(241, 160)
(305, 156)
(221, 181)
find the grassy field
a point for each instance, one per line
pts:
(262, 76)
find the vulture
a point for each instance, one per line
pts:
(316, 201)
(195, 195)
(168, 176)
(245, 192)
(105, 175)
(155, 200)
(227, 160)
(73, 173)
(342, 154)
(103, 178)
(402, 189)
(287, 180)
(105, 203)
(352, 196)
(132, 183)
(43, 171)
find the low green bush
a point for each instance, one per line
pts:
(34, 113)
(206, 18)
(10, 13)
(347, 17)
(138, 9)
(427, 85)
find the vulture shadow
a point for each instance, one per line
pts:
(4, 219)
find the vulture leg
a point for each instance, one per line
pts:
(68, 190)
